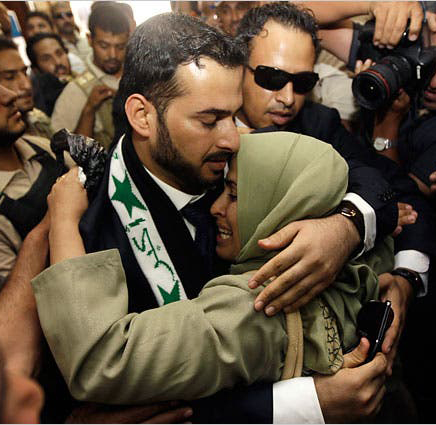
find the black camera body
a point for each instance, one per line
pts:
(409, 66)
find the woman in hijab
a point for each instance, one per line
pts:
(193, 348)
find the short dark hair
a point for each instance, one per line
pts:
(36, 39)
(127, 9)
(109, 17)
(38, 14)
(7, 44)
(155, 50)
(284, 13)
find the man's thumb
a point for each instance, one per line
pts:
(358, 355)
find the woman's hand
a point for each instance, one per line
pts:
(68, 199)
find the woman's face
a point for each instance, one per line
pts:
(225, 211)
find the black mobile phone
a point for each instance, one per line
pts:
(373, 320)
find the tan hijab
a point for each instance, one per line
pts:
(287, 177)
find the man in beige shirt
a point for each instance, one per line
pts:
(27, 171)
(13, 75)
(63, 20)
(85, 105)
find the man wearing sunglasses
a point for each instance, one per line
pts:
(282, 43)
(63, 20)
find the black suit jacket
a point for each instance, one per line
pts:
(417, 145)
(377, 179)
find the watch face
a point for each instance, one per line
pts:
(379, 144)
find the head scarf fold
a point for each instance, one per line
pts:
(286, 177)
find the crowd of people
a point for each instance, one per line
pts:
(248, 211)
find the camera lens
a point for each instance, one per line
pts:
(379, 84)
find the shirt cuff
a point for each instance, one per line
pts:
(416, 261)
(295, 402)
(369, 220)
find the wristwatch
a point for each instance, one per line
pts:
(348, 210)
(381, 144)
(412, 277)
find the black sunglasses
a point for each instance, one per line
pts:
(63, 15)
(275, 79)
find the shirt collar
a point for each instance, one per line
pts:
(26, 153)
(178, 198)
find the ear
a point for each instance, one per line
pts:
(89, 37)
(141, 114)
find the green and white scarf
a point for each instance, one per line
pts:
(147, 245)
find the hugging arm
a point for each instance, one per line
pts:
(314, 251)
(83, 307)
(19, 325)
(100, 348)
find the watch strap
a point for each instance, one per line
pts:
(350, 211)
(411, 276)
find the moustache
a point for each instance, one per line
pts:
(112, 62)
(61, 68)
(219, 156)
(27, 93)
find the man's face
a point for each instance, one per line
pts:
(230, 14)
(11, 122)
(13, 76)
(109, 50)
(52, 58)
(36, 25)
(429, 100)
(196, 136)
(279, 47)
(63, 18)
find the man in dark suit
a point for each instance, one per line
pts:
(282, 46)
(178, 132)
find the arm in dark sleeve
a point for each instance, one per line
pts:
(417, 236)
(364, 178)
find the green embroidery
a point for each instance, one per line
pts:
(123, 193)
(115, 155)
(333, 341)
(136, 222)
(174, 295)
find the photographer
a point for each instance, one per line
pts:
(408, 120)
(402, 128)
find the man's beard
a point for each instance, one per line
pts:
(67, 28)
(112, 70)
(168, 157)
(8, 138)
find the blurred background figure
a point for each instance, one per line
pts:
(37, 22)
(51, 69)
(14, 76)
(230, 14)
(85, 105)
(66, 27)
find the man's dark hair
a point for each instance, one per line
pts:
(127, 9)
(36, 39)
(7, 44)
(284, 13)
(38, 14)
(155, 50)
(109, 18)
